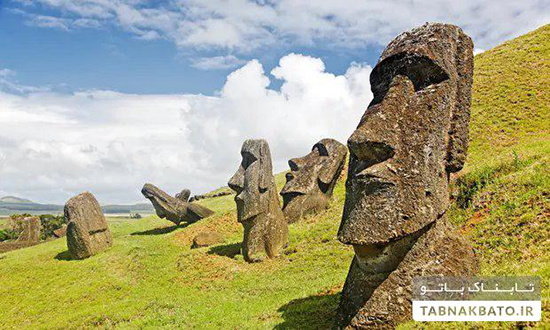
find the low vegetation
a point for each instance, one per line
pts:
(152, 278)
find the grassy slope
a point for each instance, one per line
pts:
(152, 278)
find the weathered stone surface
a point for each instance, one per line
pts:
(172, 208)
(184, 195)
(311, 180)
(61, 232)
(31, 230)
(87, 230)
(412, 136)
(206, 238)
(258, 206)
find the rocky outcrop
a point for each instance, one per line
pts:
(411, 137)
(87, 229)
(175, 209)
(258, 206)
(31, 230)
(311, 180)
(212, 195)
(61, 232)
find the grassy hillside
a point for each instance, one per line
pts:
(151, 277)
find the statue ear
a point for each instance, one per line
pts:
(332, 169)
(457, 146)
(328, 171)
(266, 168)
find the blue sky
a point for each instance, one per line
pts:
(113, 59)
(105, 95)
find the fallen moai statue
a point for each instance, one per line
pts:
(174, 209)
(311, 180)
(87, 229)
(258, 206)
(411, 137)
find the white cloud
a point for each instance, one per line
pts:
(54, 145)
(478, 51)
(242, 26)
(217, 62)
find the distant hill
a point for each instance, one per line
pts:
(13, 199)
(13, 205)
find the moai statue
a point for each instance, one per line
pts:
(258, 206)
(87, 230)
(175, 209)
(312, 178)
(411, 137)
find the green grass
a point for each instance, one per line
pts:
(151, 277)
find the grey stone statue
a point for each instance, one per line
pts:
(311, 180)
(175, 209)
(87, 230)
(258, 206)
(411, 137)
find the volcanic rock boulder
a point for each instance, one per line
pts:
(61, 232)
(87, 230)
(312, 178)
(258, 206)
(31, 230)
(206, 238)
(411, 137)
(175, 209)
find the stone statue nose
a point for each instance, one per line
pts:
(367, 149)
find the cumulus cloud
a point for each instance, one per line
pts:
(54, 145)
(242, 26)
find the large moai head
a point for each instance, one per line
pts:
(312, 178)
(258, 206)
(253, 182)
(412, 135)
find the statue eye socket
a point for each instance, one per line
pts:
(248, 159)
(321, 149)
(370, 152)
(421, 70)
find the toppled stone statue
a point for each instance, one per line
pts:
(411, 137)
(312, 178)
(31, 230)
(175, 209)
(87, 230)
(258, 206)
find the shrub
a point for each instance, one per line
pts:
(50, 223)
(7, 234)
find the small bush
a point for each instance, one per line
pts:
(7, 234)
(50, 223)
